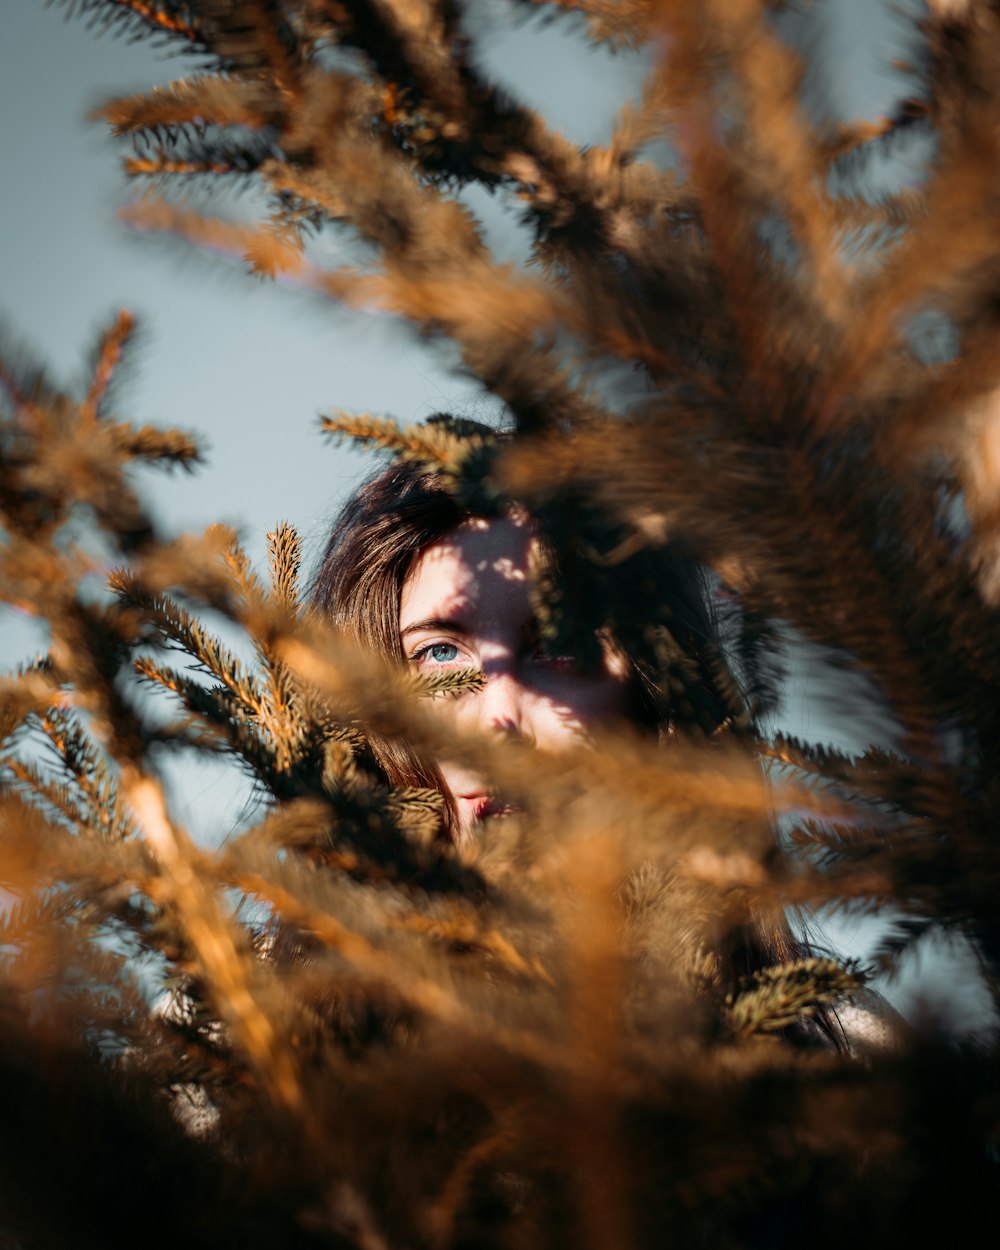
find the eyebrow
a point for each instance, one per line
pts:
(434, 622)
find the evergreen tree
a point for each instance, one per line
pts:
(394, 1041)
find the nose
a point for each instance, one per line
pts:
(503, 706)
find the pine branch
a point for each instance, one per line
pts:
(57, 799)
(621, 23)
(458, 682)
(284, 560)
(781, 995)
(29, 689)
(220, 950)
(158, 448)
(112, 347)
(189, 102)
(231, 716)
(175, 624)
(135, 18)
(434, 446)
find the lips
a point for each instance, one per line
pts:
(484, 806)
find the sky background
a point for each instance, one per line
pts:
(249, 366)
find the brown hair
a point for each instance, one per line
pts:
(380, 532)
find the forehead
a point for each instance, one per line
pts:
(483, 564)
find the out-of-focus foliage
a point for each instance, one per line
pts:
(530, 1041)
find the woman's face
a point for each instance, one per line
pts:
(466, 604)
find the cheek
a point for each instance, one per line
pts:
(457, 713)
(454, 711)
(580, 706)
(458, 780)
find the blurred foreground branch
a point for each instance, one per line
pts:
(343, 1029)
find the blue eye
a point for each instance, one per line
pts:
(439, 652)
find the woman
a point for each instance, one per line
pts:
(418, 577)
(422, 579)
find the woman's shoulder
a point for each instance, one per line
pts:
(870, 1025)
